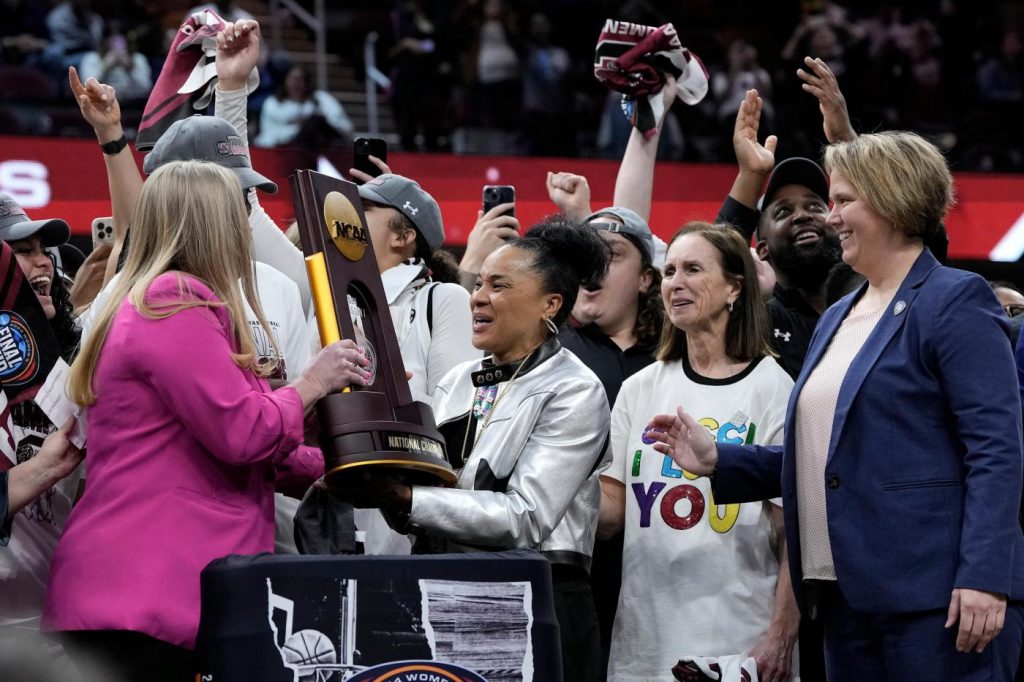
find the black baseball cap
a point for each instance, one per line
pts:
(795, 171)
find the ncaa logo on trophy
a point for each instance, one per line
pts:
(343, 224)
(378, 427)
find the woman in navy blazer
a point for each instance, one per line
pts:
(919, 473)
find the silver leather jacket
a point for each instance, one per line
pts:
(532, 479)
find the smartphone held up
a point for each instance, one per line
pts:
(363, 149)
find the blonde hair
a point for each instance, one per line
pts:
(190, 217)
(746, 332)
(901, 175)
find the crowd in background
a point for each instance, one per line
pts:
(720, 416)
(482, 75)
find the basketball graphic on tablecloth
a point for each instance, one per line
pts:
(308, 647)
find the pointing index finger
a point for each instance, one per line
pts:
(76, 83)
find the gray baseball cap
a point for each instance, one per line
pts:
(632, 224)
(207, 138)
(407, 197)
(15, 225)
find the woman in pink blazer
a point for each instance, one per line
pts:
(186, 441)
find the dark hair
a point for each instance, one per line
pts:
(650, 311)
(841, 280)
(565, 256)
(63, 323)
(281, 93)
(442, 265)
(746, 333)
(1003, 284)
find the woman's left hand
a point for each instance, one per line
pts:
(774, 653)
(981, 617)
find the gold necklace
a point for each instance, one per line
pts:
(487, 418)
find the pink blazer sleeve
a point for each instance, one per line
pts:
(186, 359)
(304, 465)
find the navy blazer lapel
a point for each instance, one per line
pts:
(891, 321)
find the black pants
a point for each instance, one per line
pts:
(812, 651)
(131, 656)
(577, 626)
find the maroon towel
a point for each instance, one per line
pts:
(28, 348)
(634, 59)
(186, 80)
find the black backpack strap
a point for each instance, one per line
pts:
(430, 308)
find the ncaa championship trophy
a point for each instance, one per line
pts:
(378, 427)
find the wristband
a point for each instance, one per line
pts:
(115, 147)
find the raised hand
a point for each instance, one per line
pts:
(684, 440)
(359, 175)
(751, 155)
(99, 106)
(822, 83)
(238, 52)
(570, 193)
(491, 231)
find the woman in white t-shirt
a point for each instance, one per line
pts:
(700, 579)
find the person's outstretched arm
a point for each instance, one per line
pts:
(101, 109)
(23, 483)
(635, 182)
(835, 117)
(755, 161)
(238, 51)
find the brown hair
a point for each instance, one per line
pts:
(746, 333)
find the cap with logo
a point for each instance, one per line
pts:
(207, 138)
(15, 225)
(795, 171)
(407, 197)
(632, 225)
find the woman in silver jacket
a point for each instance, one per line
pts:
(527, 426)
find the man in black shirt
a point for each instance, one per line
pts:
(793, 237)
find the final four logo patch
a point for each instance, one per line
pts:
(19, 357)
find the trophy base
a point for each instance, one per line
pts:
(361, 432)
(410, 471)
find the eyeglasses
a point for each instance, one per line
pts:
(1014, 309)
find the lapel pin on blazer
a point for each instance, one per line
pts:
(899, 308)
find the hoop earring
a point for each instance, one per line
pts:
(730, 306)
(551, 326)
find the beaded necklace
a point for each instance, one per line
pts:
(485, 403)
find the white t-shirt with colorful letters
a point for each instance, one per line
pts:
(697, 577)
